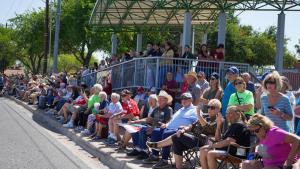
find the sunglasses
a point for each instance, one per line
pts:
(270, 82)
(256, 130)
(212, 78)
(211, 107)
(238, 83)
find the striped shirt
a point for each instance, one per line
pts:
(284, 105)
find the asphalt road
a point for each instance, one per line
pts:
(26, 144)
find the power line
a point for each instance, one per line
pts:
(9, 9)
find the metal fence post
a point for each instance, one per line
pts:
(135, 73)
(122, 75)
(156, 73)
(145, 72)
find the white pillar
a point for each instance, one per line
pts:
(222, 28)
(114, 43)
(193, 41)
(280, 42)
(139, 42)
(187, 26)
(204, 38)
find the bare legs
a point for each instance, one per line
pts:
(208, 157)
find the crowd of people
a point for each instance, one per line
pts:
(198, 113)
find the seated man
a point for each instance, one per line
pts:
(160, 114)
(183, 117)
(236, 133)
(196, 135)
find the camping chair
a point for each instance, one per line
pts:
(241, 155)
(192, 155)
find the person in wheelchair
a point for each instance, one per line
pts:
(195, 135)
(278, 148)
(237, 132)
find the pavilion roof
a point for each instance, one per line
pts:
(120, 14)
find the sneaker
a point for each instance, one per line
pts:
(161, 164)
(86, 132)
(96, 138)
(121, 149)
(68, 125)
(134, 152)
(151, 160)
(152, 145)
(79, 128)
(110, 141)
(62, 121)
(143, 155)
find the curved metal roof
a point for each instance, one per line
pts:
(117, 14)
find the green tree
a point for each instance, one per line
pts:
(67, 63)
(7, 48)
(29, 38)
(297, 46)
(77, 36)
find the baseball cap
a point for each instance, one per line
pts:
(186, 96)
(233, 70)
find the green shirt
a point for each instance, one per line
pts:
(92, 100)
(245, 98)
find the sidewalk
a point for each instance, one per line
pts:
(106, 154)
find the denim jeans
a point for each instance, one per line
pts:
(159, 134)
(139, 139)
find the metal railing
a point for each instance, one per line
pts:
(151, 72)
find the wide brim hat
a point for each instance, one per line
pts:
(193, 74)
(164, 94)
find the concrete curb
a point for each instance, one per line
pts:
(104, 157)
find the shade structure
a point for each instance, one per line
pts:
(117, 14)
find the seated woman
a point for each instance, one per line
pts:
(101, 121)
(213, 92)
(130, 112)
(194, 135)
(278, 148)
(243, 99)
(78, 105)
(236, 133)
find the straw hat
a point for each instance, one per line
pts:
(164, 94)
(193, 74)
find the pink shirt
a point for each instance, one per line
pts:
(275, 150)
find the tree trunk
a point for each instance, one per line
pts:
(87, 59)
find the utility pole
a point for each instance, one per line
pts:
(56, 38)
(46, 38)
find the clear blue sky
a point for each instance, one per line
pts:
(258, 20)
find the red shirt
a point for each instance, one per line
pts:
(184, 87)
(130, 107)
(171, 85)
(80, 102)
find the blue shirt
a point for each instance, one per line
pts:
(228, 91)
(284, 105)
(183, 117)
(251, 87)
